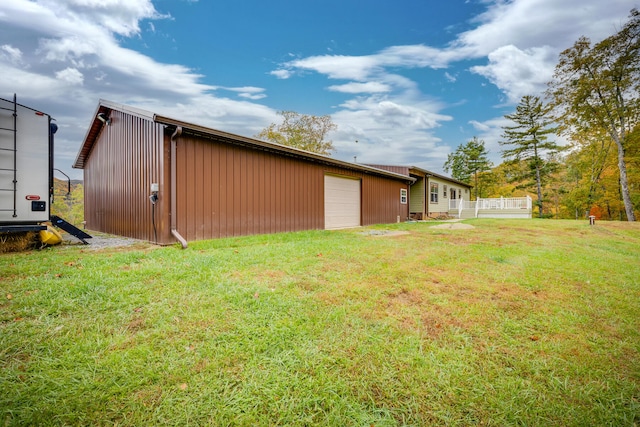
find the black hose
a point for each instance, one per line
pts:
(153, 221)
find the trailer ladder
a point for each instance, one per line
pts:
(14, 153)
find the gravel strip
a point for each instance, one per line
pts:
(101, 241)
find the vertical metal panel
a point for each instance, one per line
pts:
(382, 200)
(402, 170)
(126, 159)
(258, 191)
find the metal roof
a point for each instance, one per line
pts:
(429, 173)
(106, 107)
(415, 170)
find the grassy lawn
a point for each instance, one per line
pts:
(516, 322)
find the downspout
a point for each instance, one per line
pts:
(427, 195)
(174, 230)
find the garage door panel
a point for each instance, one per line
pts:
(342, 202)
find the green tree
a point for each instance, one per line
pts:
(306, 132)
(528, 142)
(599, 87)
(590, 155)
(69, 206)
(470, 162)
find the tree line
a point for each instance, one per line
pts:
(593, 100)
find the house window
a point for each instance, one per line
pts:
(444, 191)
(434, 193)
(403, 196)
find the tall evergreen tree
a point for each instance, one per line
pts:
(527, 141)
(469, 161)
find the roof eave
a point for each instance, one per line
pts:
(426, 172)
(104, 106)
(296, 152)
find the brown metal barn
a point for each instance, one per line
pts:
(209, 184)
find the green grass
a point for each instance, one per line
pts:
(516, 322)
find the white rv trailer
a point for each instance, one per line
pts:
(26, 171)
(26, 166)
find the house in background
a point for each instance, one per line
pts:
(431, 193)
(164, 180)
(436, 196)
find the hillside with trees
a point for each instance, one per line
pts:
(68, 201)
(593, 101)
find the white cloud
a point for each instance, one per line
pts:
(252, 96)
(249, 92)
(118, 16)
(533, 23)
(281, 73)
(490, 131)
(392, 129)
(337, 66)
(353, 87)
(62, 56)
(11, 54)
(67, 49)
(479, 126)
(71, 76)
(363, 67)
(520, 38)
(519, 72)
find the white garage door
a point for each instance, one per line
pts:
(341, 202)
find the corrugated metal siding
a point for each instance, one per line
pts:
(223, 189)
(118, 173)
(381, 201)
(403, 170)
(226, 190)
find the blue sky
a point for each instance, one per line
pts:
(410, 80)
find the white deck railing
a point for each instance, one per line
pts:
(490, 204)
(505, 203)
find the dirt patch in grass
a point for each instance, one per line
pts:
(149, 396)
(136, 324)
(413, 311)
(454, 226)
(269, 276)
(385, 233)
